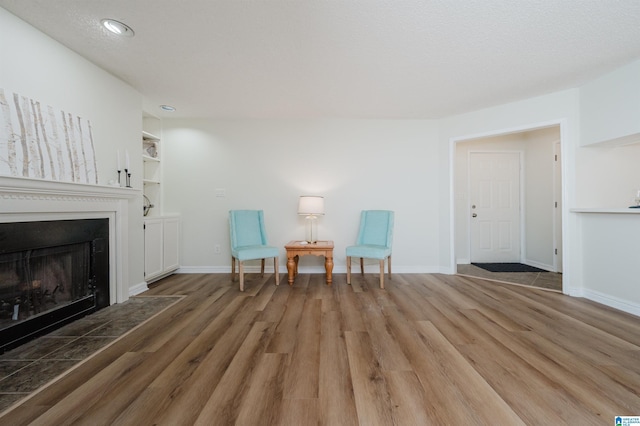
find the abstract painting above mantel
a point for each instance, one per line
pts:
(38, 141)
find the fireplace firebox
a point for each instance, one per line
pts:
(51, 273)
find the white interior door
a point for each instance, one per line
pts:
(494, 194)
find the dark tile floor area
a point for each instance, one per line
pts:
(32, 365)
(546, 280)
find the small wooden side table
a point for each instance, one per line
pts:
(295, 249)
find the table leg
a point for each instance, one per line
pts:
(328, 266)
(291, 268)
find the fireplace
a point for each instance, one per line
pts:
(36, 200)
(51, 272)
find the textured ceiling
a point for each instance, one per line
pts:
(348, 58)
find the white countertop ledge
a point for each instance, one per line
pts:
(616, 210)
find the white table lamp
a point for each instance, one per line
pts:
(311, 206)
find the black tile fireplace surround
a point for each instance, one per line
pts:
(51, 273)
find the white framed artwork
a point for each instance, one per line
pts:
(38, 141)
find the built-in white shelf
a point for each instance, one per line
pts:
(149, 136)
(152, 167)
(150, 159)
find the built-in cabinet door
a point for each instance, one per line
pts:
(171, 247)
(153, 248)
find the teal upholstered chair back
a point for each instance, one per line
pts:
(376, 228)
(375, 237)
(247, 228)
(249, 242)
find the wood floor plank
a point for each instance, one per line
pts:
(560, 370)
(369, 384)
(284, 339)
(349, 305)
(301, 377)
(223, 405)
(262, 402)
(335, 390)
(189, 386)
(540, 403)
(296, 412)
(463, 382)
(74, 405)
(428, 349)
(117, 397)
(406, 396)
(388, 352)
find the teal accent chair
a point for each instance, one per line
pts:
(374, 241)
(249, 242)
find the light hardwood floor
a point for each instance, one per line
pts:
(428, 349)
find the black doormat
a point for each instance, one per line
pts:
(507, 267)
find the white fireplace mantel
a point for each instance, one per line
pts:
(26, 200)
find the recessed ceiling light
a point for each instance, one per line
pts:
(167, 108)
(117, 27)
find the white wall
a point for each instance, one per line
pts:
(36, 66)
(610, 107)
(609, 178)
(609, 175)
(268, 164)
(611, 258)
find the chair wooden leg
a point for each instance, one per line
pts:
(241, 267)
(362, 266)
(276, 269)
(389, 265)
(262, 267)
(349, 270)
(382, 273)
(233, 268)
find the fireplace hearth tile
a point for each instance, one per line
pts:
(37, 349)
(9, 367)
(35, 375)
(81, 348)
(8, 399)
(79, 328)
(34, 364)
(113, 328)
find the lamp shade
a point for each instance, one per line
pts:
(311, 205)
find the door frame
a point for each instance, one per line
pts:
(558, 184)
(521, 198)
(565, 159)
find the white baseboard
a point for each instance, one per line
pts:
(539, 265)
(612, 302)
(340, 269)
(138, 288)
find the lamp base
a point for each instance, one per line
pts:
(311, 231)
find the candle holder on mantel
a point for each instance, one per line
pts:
(128, 178)
(119, 183)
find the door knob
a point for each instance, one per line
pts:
(474, 215)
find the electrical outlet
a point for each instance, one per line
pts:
(216, 249)
(221, 192)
